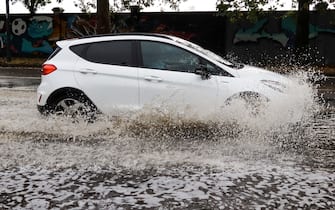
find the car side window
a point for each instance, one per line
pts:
(213, 69)
(157, 55)
(108, 52)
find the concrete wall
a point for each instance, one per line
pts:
(268, 40)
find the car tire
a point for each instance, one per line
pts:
(252, 102)
(74, 105)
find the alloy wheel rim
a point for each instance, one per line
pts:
(70, 107)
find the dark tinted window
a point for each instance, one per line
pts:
(157, 55)
(79, 49)
(111, 52)
(213, 69)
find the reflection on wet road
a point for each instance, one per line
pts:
(13, 81)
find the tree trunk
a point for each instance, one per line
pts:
(31, 6)
(103, 17)
(302, 30)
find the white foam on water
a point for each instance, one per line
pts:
(150, 136)
(164, 158)
(263, 186)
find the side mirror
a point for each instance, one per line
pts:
(203, 72)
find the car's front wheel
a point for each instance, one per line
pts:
(251, 102)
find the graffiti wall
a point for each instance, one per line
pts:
(273, 38)
(28, 35)
(270, 37)
(36, 35)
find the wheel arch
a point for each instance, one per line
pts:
(89, 109)
(65, 91)
(245, 95)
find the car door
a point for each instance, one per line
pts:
(107, 74)
(167, 78)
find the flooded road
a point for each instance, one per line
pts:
(155, 160)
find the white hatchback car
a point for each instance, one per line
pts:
(121, 72)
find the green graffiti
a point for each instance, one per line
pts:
(285, 38)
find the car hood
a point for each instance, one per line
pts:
(259, 73)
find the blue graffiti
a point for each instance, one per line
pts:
(28, 47)
(29, 36)
(39, 27)
(285, 38)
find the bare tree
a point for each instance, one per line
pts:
(103, 10)
(34, 5)
(103, 17)
(85, 5)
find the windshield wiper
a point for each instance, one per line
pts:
(232, 64)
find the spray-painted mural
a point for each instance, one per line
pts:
(36, 35)
(286, 37)
(29, 35)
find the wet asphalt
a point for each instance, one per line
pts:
(19, 76)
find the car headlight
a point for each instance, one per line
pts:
(274, 85)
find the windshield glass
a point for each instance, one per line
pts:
(208, 53)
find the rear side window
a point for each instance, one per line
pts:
(79, 49)
(111, 52)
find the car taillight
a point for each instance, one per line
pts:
(48, 68)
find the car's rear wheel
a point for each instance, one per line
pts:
(73, 104)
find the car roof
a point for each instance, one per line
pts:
(130, 34)
(107, 37)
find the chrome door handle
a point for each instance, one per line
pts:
(88, 71)
(153, 78)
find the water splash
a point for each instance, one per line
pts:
(156, 136)
(160, 158)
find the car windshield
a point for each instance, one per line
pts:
(209, 53)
